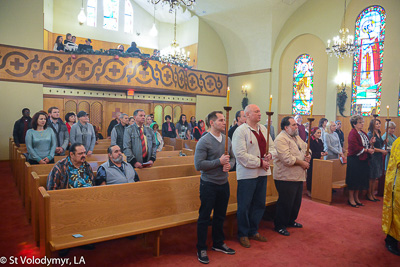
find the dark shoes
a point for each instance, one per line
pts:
(224, 249)
(258, 237)
(296, 225)
(353, 205)
(202, 256)
(244, 241)
(393, 249)
(282, 231)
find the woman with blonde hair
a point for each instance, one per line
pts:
(332, 142)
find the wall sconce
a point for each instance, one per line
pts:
(245, 88)
(342, 80)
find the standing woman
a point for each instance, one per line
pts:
(83, 132)
(59, 46)
(193, 122)
(168, 128)
(148, 121)
(181, 127)
(322, 125)
(70, 120)
(157, 135)
(40, 142)
(332, 142)
(317, 149)
(376, 162)
(390, 141)
(357, 173)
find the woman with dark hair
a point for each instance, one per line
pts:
(317, 149)
(181, 127)
(40, 142)
(157, 136)
(59, 46)
(70, 120)
(322, 125)
(193, 122)
(199, 130)
(376, 162)
(168, 128)
(359, 151)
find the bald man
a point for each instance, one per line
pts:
(249, 144)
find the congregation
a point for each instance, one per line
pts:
(138, 138)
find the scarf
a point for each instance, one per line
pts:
(84, 130)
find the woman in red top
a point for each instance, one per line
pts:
(199, 130)
(70, 120)
(359, 151)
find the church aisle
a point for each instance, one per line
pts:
(335, 235)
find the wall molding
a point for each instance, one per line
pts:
(249, 72)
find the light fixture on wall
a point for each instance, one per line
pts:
(82, 16)
(245, 100)
(342, 45)
(153, 30)
(174, 4)
(342, 80)
(245, 88)
(173, 54)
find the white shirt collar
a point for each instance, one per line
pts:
(219, 138)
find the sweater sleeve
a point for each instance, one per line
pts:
(200, 157)
(66, 139)
(72, 135)
(93, 137)
(113, 136)
(29, 146)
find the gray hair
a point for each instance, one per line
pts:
(297, 116)
(338, 121)
(122, 115)
(137, 111)
(354, 120)
(109, 149)
(391, 125)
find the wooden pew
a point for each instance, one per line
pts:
(116, 211)
(327, 175)
(173, 161)
(165, 172)
(168, 148)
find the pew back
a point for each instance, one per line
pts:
(165, 172)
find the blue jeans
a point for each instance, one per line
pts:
(213, 197)
(251, 194)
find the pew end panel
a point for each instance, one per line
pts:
(45, 223)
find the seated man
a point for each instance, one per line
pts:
(71, 172)
(115, 170)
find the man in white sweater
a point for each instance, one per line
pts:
(249, 144)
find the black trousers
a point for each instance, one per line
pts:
(390, 240)
(34, 162)
(289, 202)
(213, 197)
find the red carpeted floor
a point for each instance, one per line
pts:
(336, 235)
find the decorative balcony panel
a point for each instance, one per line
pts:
(96, 71)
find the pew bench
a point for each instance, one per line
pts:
(327, 175)
(165, 172)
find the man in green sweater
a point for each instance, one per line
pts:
(214, 166)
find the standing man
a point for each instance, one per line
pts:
(21, 126)
(249, 145)
(290, 167)
(301, 128)
(271, 129)
(114, 122)
(59, 129)
(214, 166)
(139, 142)
(240, 119)
(117, 134)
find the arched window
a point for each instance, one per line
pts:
(92, 13)
(368, 60)
(128, 17)
(111, 8)
(303, 73)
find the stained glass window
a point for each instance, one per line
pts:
(368, 61)
(128, 18)
(92, 13)
(303, 73)
(111, 8)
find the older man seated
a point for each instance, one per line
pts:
(71, 172)
(115, 170)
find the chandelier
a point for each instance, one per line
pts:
(342, 45)
(174, 4)
(174, 54)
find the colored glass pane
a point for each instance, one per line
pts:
(303, 73)
(111, 8)
(92, 13)
(128, 18)
(368, 61)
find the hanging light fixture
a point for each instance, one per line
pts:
(174, 4)
(154, 31)
(82, 16)
(174, 54)
(344, 44)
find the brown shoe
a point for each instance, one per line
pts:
(258, 237)
(244, 241)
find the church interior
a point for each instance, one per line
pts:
(272, 53)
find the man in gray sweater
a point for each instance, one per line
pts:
(214, 166)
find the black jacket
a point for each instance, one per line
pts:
(165, 132)
(111, 126)
(18, 132)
